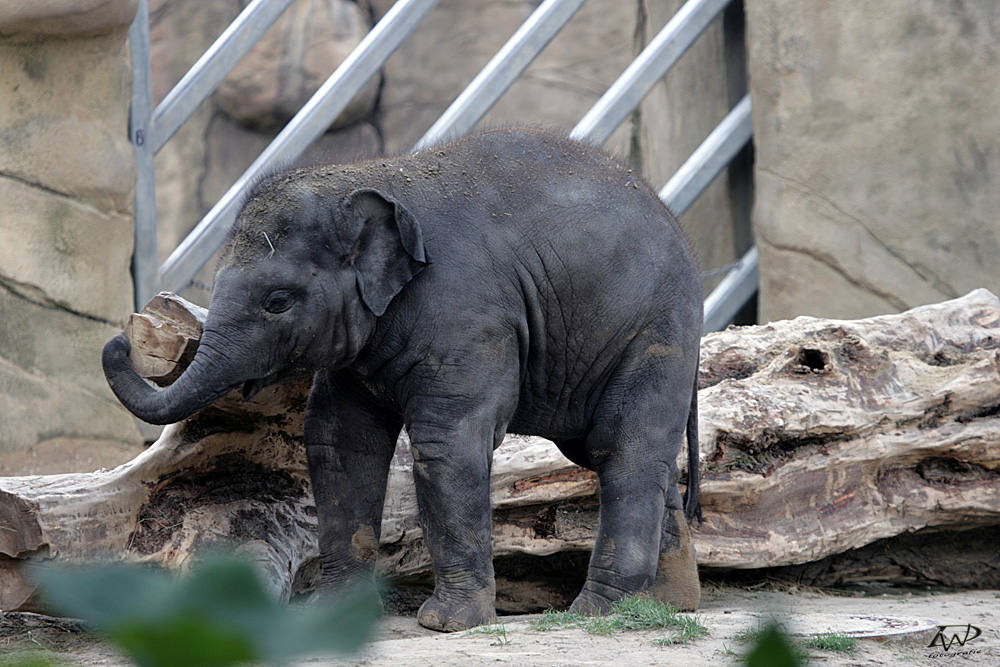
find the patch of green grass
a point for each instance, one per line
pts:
(557, 620)
(725, 650)
(633, 613)
(750, 635)
(831, 641)
(498, 630)
(28, 659)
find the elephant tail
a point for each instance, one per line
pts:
(692, 494)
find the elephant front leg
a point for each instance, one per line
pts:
(349, 446)
(452, 474)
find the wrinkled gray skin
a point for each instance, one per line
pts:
(511, 281)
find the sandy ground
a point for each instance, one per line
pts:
(726, 611)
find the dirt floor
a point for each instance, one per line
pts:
(726, 612)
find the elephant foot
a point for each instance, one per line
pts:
(591, 603)
(677, 581)
(452, 616)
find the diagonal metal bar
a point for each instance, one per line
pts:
(709, 159)
(307, 125)
(732, 293)
(206, 74)
(501, 72)
(648, 68)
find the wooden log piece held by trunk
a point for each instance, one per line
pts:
(816, 437)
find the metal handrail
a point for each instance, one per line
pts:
(692, 179)
(732, 292)
(308, 124)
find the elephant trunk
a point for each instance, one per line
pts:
(199, 386)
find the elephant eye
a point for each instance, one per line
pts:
(279, 301)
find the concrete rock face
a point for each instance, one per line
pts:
(32, 19)
(878, 153)
(66, 180)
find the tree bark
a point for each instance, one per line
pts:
(817, 438)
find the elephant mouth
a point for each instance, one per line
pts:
(252, 387)
(290, 372)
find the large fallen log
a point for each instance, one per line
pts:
(817, 437)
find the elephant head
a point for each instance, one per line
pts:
(302, 279)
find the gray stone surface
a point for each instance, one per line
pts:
(66, 180)
(27, 20)
(64, 252)
(60, 113)
(53, 393)
(878, 153)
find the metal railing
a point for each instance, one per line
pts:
(151, 129)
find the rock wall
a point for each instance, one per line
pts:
(878, 153)
(66, 182)
(455, 40)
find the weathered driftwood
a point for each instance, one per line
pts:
(817, 437)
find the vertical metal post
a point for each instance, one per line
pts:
(144, 259)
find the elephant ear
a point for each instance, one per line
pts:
(389, 250)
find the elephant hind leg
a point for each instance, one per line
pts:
(636, 436)
(677, 581)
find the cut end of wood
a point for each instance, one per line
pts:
(164, 337)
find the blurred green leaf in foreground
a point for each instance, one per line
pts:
(218, 615)
(773, 648)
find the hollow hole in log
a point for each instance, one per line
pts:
(981, 413)
(813, 359)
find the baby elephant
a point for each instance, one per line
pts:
(510, 281)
